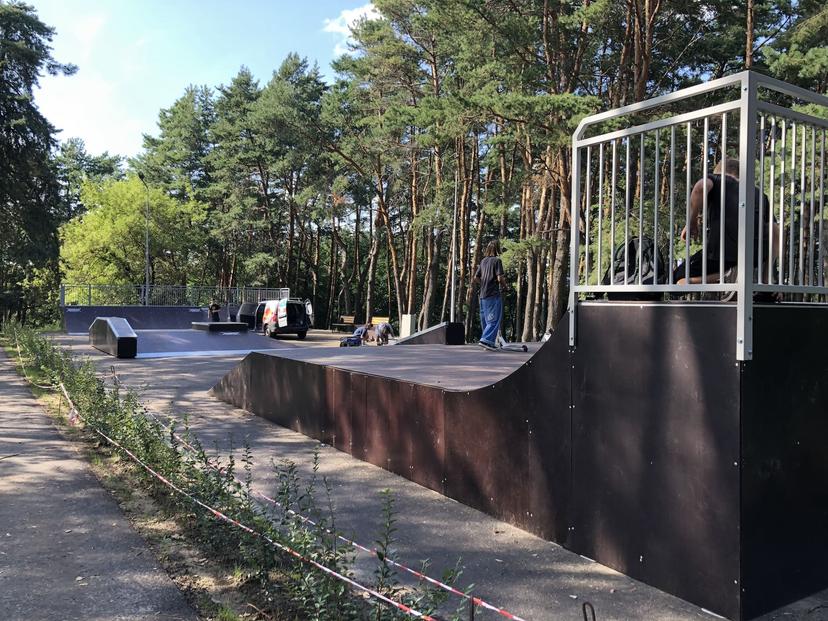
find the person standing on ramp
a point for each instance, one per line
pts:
(491, 278)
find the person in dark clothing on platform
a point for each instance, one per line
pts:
(214, 309)
(712, 186)
(490, 276)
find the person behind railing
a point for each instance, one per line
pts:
(712, 187)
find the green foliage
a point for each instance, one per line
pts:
(106, 243)
(74, 167)
(800, 55)
(29, 201)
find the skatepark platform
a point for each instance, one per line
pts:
(647, 448)
(220, 326)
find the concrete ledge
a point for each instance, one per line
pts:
(114, 336)
(220, 326)
(446, 333)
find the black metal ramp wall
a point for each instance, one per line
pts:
(78, 319)
(468, 445)
(647, 448)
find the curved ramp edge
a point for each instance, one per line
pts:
(503, 448)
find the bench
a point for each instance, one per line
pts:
(346, 322)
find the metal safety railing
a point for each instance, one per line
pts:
(653, 218)
(164, 295)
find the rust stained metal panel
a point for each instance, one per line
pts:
(234, 387)
(656, 448)
(487, 450)
(384, 426)
(359, 421)
(545, 385)
(265, 388)
(508, 445)
(339, 390)
(425, 447)
(289, 393)
(305, 386)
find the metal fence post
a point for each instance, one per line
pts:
(747, 207)
(574, 216)
(89, 295)
(62, 295)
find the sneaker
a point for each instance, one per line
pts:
(486, 345)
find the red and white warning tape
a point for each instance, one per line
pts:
(476, 601)
(221, 516)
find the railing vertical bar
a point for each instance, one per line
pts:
(801, 267)
(689, 183)
(747, 199)
(600, 211)
(761, 185)
(574, 252)
(722, 199)
(613, 184)
(811, 212)
(640, 208)
(656, 182)
(792, 231)
(781, 240)
(627, 197)
(672, 201)
(587, 210)
(705, 147)
(821, 207)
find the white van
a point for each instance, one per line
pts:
(287, 316)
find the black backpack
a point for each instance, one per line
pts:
(652, 261)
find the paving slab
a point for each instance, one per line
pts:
(67, 552)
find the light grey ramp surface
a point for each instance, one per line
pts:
(179, 342)
(453, 367)
(57, 524)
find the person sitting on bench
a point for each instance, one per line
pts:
(712, 186)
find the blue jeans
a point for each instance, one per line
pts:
(491, 310)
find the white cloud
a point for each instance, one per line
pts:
(84, 33)
(86, 105)
(99, 103)
(342, 24)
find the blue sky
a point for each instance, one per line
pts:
(135, 57)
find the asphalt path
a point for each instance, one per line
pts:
(66, 550)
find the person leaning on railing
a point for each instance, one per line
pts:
(712, 186)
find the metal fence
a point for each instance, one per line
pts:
(635, 190)
(164, 295)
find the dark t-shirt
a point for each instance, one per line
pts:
(731, 215)
(488, 271)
